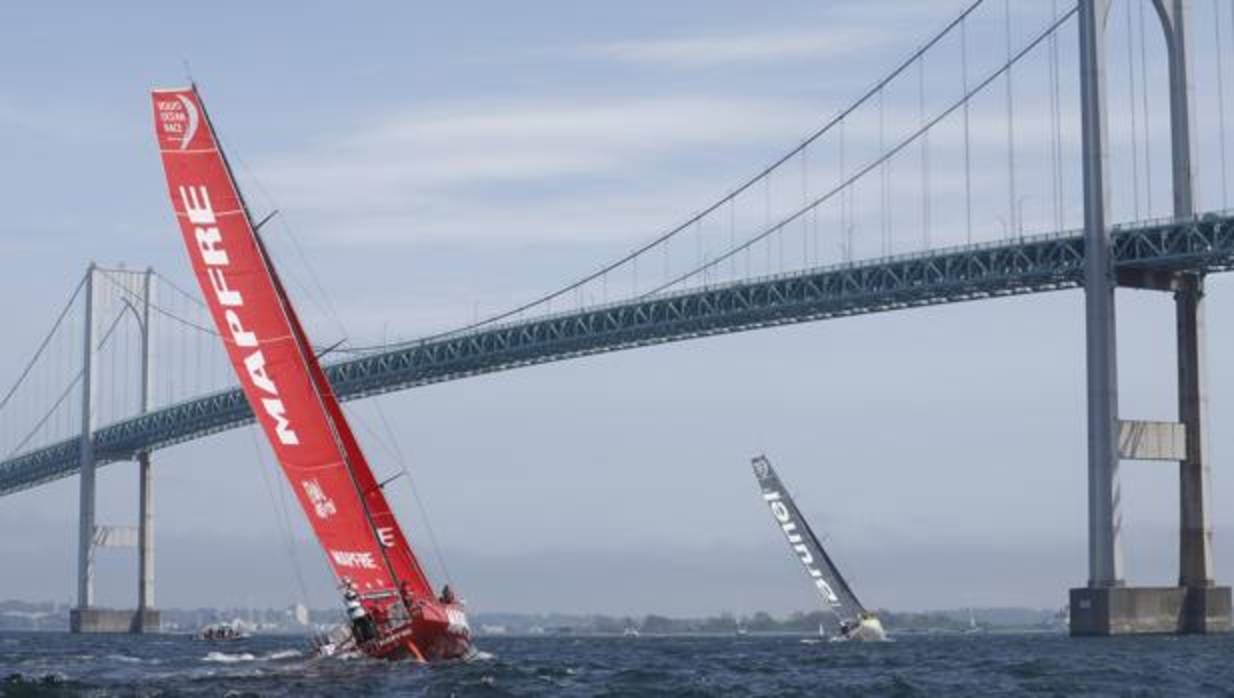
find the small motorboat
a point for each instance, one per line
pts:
(220, 632)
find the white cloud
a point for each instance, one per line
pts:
(430, 176)
(741, 48)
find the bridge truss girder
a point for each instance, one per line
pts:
(1027, 265)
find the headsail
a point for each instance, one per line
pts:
(827, 580)
(284, 384)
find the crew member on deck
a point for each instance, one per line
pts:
(363, 628)
(447, 595)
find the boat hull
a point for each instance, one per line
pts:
(435, 632)
(868, 630)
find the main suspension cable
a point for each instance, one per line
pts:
(886, 156)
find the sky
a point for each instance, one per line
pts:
(434, 163)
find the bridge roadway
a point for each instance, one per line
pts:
(1025, 265)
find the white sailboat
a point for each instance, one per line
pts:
(855, 622)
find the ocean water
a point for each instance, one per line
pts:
(47, 664)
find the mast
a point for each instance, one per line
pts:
(284, 384)
(837, 595)
(301, 341)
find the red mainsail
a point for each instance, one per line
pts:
(268, 349)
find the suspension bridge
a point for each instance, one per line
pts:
(132, 364)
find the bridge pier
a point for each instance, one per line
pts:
(87, 618)
(1106, 606)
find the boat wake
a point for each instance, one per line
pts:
(225, 658)
(480, 656)
(229, 658)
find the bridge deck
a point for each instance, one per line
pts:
(1026, 265)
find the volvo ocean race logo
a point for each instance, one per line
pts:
(323, 506)
(194, 120)
(785, 518)
(179, 120)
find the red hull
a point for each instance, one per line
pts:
(434, 632)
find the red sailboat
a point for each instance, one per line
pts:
(393, 610)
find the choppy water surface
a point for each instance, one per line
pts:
(46, 664)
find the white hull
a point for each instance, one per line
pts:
(868, 630)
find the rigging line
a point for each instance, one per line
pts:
(1148, 169)
(280, 507)
(301, 346)
(741, 188)
(322, 301)
(907, 141)
(1011, 188)
(1225, 190)
(395, 451)
(43, 345)
(415, 491)
(968, 152)
(1131, 101)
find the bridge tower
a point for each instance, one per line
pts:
(87, 617)
(1106, 606)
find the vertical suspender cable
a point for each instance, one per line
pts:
(805, 198)
(667, 262)
(1225, 191)
(732, 235)
(1011, 189)
(925, 155)
(1055, 154)
(698, 240)
(883, 174)
(968, 152)
(1060, 191)
(847, 238)
(1135, 145)
(767, 212)
(1148, 168)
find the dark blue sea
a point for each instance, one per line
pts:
(47, 664)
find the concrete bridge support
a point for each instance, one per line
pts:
(1106, 606)
(88, 618)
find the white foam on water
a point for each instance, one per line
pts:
(225, 658)
(282, 654)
